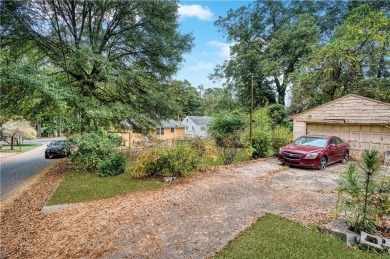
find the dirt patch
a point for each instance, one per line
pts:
(191, 218)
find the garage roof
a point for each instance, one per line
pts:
(351, 109)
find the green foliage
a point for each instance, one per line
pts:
(98, 74)
(114, 165)
(261, 134)
(226, 124)
(281, 136)
(364, 196)
(95, 152)
(356, 60)
(179, 160)
(229, 146)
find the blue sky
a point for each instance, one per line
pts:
(211, 48)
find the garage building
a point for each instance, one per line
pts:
(363, 122)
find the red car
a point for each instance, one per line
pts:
(314, 152)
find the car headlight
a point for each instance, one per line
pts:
(280, 150)
(311, 155)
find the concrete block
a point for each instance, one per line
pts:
(169, 179)
(340, 229)
(371, 241)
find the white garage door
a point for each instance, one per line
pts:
(359, 137)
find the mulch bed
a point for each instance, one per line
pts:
(190, 218)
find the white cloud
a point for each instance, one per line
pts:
(202, 66)
(197, 11)
(224, 48)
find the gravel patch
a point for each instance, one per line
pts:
(193, 218)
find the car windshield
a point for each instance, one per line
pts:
(57, 143)
(310, 141)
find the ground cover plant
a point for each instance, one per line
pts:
(19, 148)
(275, 237)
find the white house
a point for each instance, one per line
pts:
(196, 126)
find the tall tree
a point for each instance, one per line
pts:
(108, 55)
(355, 61)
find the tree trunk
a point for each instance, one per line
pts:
(12, 142)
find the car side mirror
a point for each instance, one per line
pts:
(332, 145)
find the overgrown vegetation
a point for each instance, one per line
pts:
(231, 132)
(178, 160)
(96, 152)
(275, 237)
(364, 195)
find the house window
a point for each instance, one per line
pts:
(193, 128)
(172, 130)
(160, 131)
(202, 128)
(186, 128)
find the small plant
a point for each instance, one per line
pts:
(261, 143)
(363, 194)
(228, 147)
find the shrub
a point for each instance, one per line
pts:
(178, 160)
(228, 148)
(261, 143)
(90, 150)
(363, 196)
(114, 165)
(280, 137)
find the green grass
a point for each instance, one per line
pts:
(18, 149)
(275, 237)
(79, 187)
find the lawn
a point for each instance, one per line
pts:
(18, 149)
(81, 186)
(275, 237)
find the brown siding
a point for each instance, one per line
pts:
(349, 110)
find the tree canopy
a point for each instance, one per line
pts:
(320, 50)
(108, 58)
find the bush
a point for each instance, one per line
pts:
(178, 160)
(261, 143)
(91, 150)
(280, 137)
(228, 148)
(114, 165)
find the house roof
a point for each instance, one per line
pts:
(200, 120)
(171, 124)
(350, 108)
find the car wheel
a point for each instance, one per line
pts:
(345, 157)
(46, 155)
(323, 163)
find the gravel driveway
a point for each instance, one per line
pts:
(193, 218)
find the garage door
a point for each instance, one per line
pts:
(359, 137)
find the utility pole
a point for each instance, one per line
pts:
(250, 115)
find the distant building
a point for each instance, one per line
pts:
(167, 130)
(196, 126)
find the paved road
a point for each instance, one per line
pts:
(17, 169)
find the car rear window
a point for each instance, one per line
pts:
(310, 141)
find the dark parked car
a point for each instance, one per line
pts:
(56, 148)
(314, 152)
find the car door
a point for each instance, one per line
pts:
(340, 149)
(332, 150)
